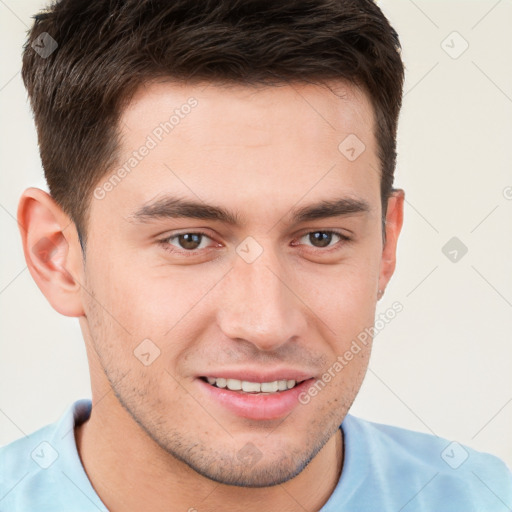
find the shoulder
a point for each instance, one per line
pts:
(419, 448)
(43, 471)
(423, 470)
(24, 457)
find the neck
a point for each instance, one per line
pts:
(129, 471)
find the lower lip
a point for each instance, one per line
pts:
(257, 406)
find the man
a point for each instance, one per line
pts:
(222, 222)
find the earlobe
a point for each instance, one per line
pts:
(393, 226)
(52, 250)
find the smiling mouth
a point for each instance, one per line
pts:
(244, 386)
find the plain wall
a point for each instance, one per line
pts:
(443, 365)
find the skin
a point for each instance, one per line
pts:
(155, 439)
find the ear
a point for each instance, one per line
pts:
(393, 226)
(52, 251)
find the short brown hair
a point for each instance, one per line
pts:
(108, 48)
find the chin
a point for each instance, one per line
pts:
(261, 475)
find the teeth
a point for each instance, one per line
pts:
(234, 384)
(269, 387)
(281, 385)
(252, 387)
(221, 383)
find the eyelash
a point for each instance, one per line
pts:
(170, 248)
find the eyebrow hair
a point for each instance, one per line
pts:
(174, 207)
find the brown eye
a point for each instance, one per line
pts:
(189, 241)
(320, 238)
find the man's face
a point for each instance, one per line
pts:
(273, 292)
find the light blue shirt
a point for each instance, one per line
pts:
(385, 469)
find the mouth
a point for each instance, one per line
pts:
(255, 399)
(245, 386)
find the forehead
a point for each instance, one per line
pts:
(245, 145)
(334, 106)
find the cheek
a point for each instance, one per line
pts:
(344, 296)
(151, 310)
(128, 334)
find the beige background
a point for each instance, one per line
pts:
(443, 365)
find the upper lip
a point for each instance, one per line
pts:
(252, 375)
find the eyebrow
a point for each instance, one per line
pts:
(174, 207)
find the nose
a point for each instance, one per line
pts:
(259, 305)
